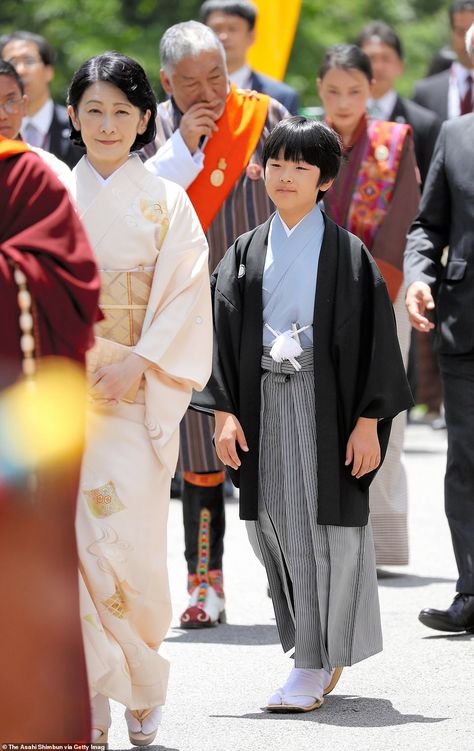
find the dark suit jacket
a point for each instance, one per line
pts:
(276, 89)
(446, 217)
(425, 126)
(432, 93)
(59, 143)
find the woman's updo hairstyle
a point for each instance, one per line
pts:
(128, 76)
(346, 57)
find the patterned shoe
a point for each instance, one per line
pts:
(207, 602)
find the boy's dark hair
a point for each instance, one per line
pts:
(128, 76)
(301, 139)
(241, 8)
(7, 69)
(457, 7)
(346, 57)
(45, 50)
(383, 33)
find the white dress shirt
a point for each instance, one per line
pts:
(381, 109)
(41, 120)
(457, 88)
(241, 77)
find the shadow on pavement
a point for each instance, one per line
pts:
(347, 711)
(256, 635)
(451, 637)
(392, 579)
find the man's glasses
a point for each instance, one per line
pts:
(11, 106)
(28, 61)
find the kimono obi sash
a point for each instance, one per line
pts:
(228, 152)
(374, 189)
(123, 301)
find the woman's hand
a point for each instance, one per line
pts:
(363, 448)
(228, 432)
(112, 382)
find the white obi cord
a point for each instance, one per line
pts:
(286, 345)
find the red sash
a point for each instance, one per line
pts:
(374, 191)
(228, 152)
(10, 148)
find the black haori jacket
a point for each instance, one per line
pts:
(357, 363)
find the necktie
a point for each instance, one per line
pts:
(32, 135)
(466, 100)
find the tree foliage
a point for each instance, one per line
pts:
(78, 29)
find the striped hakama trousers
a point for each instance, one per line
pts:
(322, 578)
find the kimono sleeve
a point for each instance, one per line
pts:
(371, 367)
(177, 336)
(221, 392)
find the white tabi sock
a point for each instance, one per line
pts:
(302, 687)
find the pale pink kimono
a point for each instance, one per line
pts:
(144, 225)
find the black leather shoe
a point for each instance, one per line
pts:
(458, 617)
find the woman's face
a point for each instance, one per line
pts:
(344, 94)
(109, 124)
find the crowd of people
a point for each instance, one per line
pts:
(261, 277)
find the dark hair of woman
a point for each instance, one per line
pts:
(346, 57)
(300, 139)
(128, 76)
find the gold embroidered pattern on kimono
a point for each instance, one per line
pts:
(103, 501)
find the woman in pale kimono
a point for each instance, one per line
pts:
(375, 196)
(152, 348)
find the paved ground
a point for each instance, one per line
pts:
(417, 695)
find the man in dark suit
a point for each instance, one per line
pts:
(46, 124)
(234, 25)
(384, 48)
(446, 217)
(451, 93)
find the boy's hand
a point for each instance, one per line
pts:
(228, 431)
(363, 448)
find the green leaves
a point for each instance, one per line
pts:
(78, 29)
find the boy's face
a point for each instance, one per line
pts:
(293, 186)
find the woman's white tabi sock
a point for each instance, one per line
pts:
(101, 718)
(146, 726)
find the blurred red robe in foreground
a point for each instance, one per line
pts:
(43, 689)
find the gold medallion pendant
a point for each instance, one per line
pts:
(381, 153)
(217, 175)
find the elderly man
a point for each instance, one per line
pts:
(446, 217)
(210, 137)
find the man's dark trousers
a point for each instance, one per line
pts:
(458, 380)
